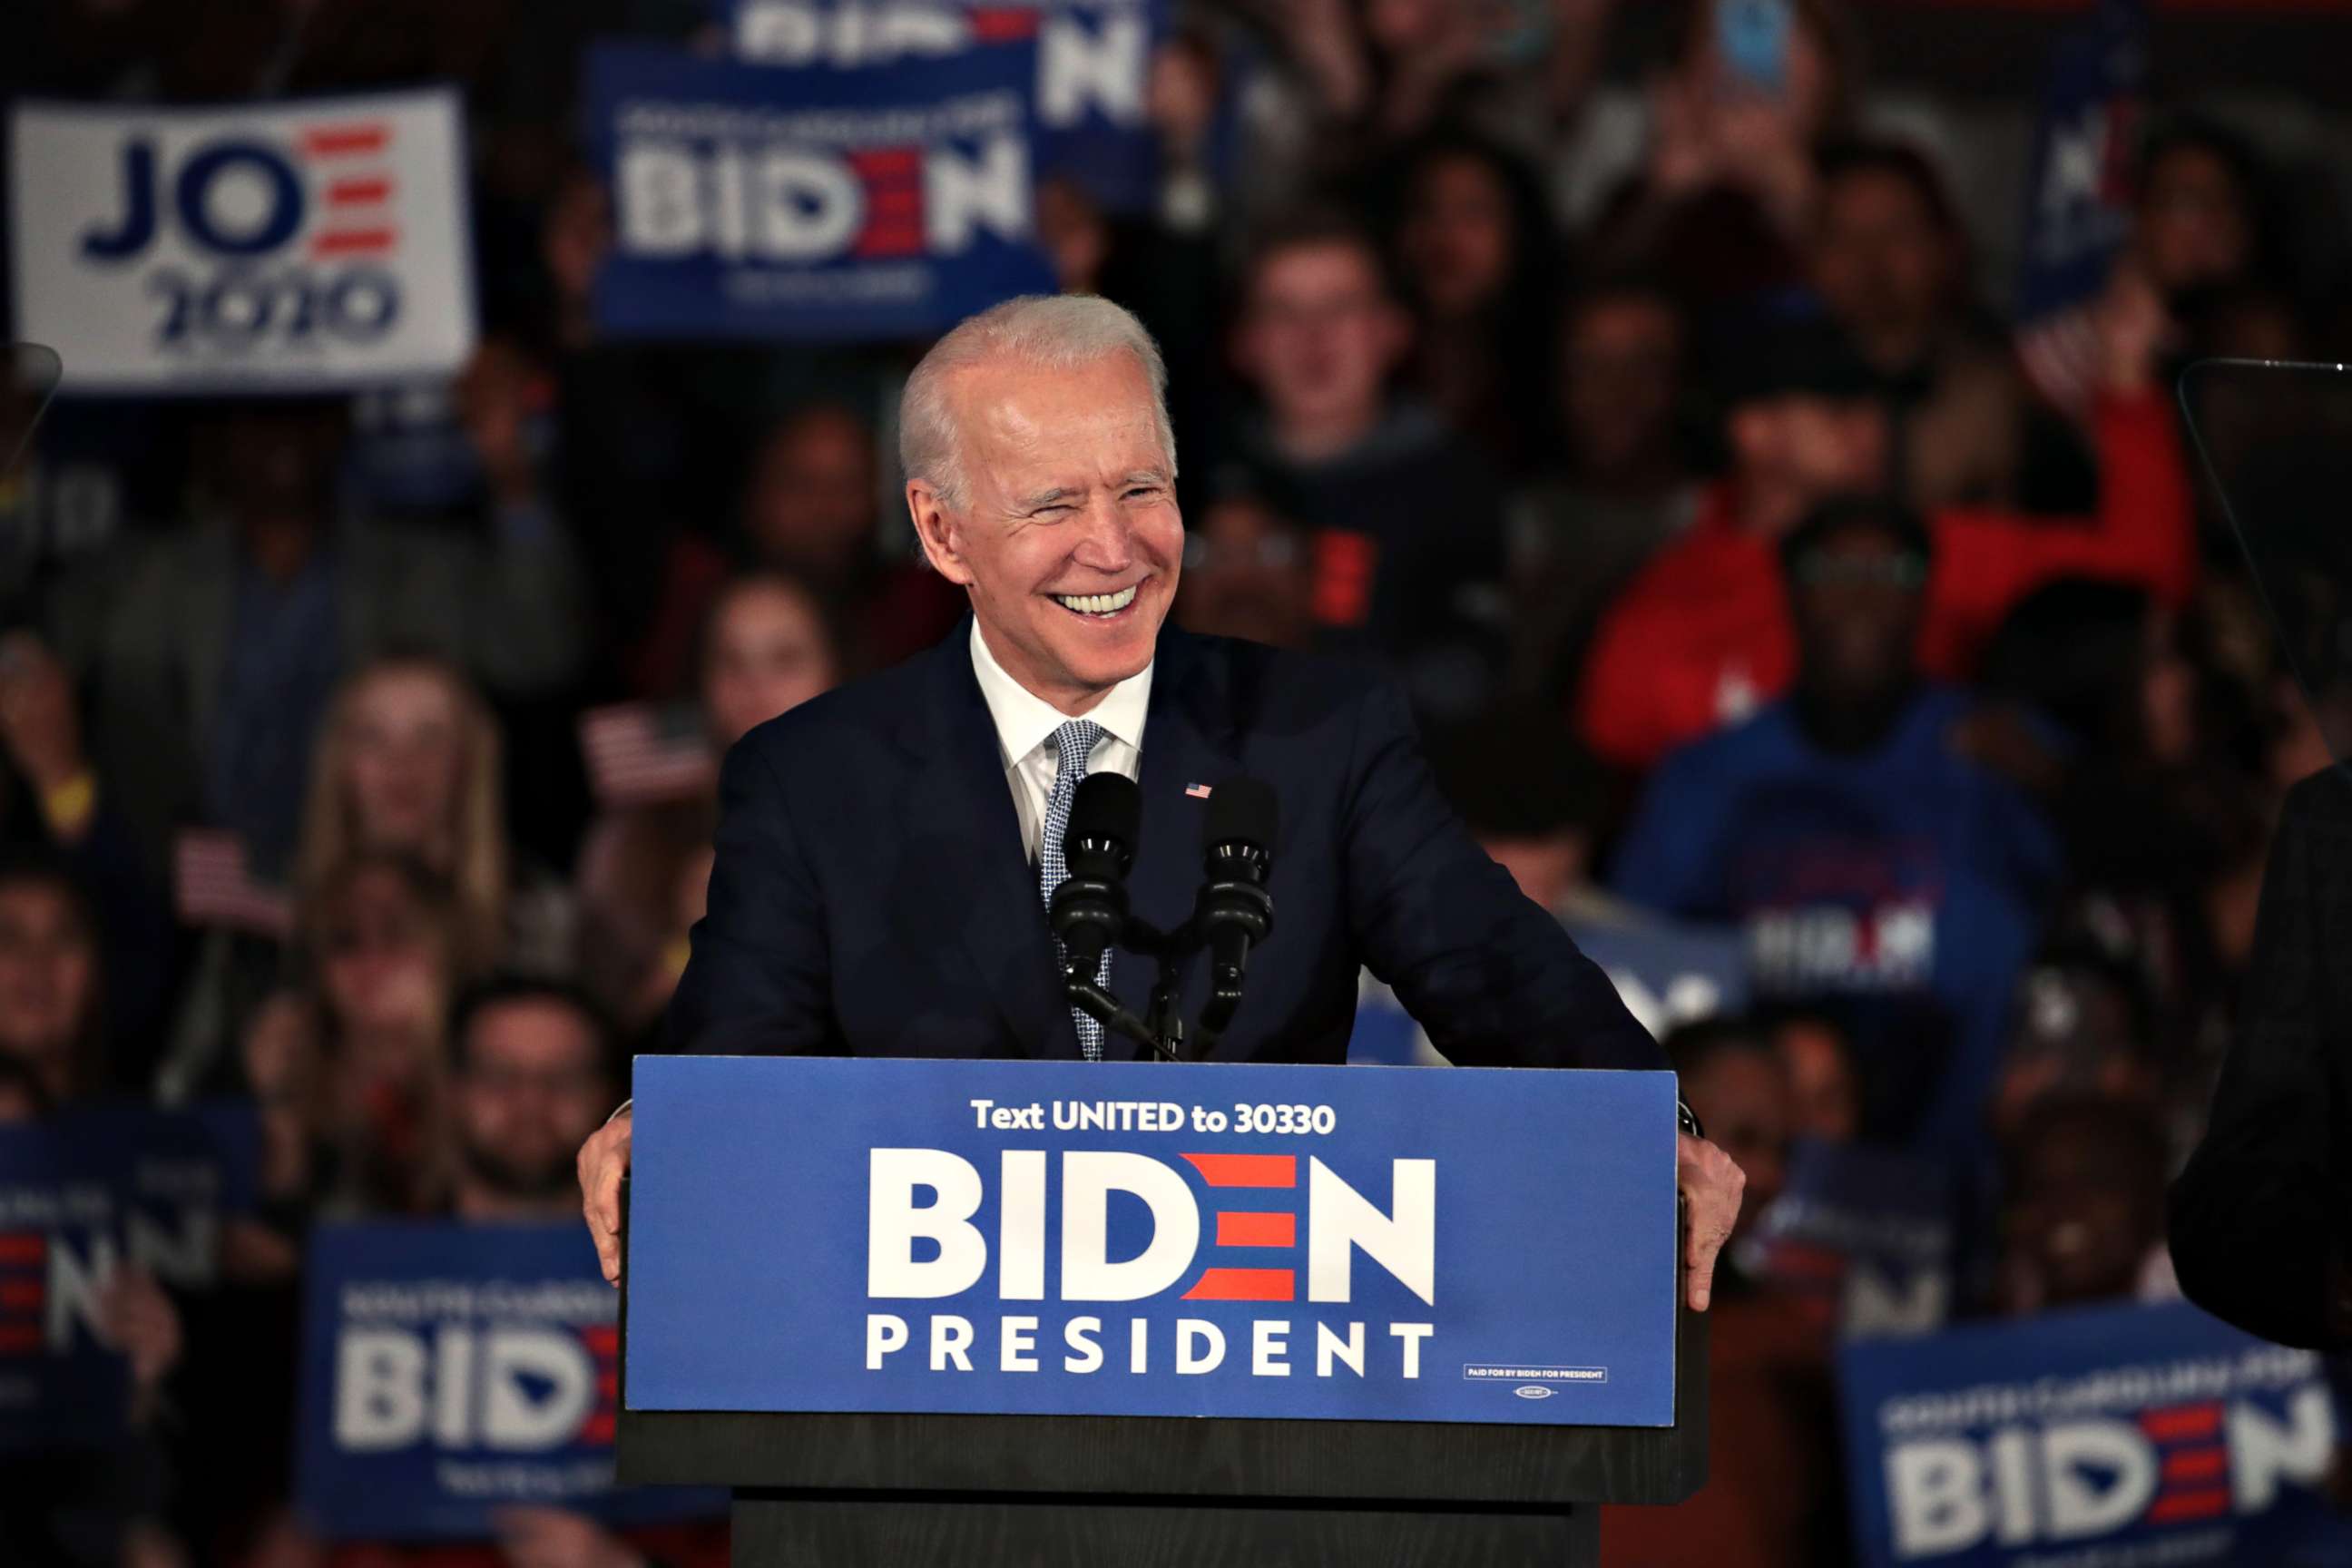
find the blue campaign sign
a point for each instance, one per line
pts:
(83, 1193)
(1864, 1236)
(1131, 1239)
(2078, 187)
(2131, 1433)
(1668, 972)
(1093, 66)
(753, 201)
(449, 1370)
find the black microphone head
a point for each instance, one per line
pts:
(1242, 810)
(1106, 819)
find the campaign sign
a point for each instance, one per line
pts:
(306, 246)
(1094, 67)
(82, 1193)
(1863, 1237)
(1668, 974)
(1044, 1237)
(450, 1371)
(2105, 1436)
(810, 202)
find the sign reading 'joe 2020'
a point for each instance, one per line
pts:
(1044, 1238)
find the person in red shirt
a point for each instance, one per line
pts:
(1702, 635)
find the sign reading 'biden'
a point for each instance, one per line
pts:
(450, 1371)
(309, 245)
(1130, 1239)
(2123, 1435)
(1094, 62)
(810, 202)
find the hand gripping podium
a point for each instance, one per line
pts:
(1126, 1314)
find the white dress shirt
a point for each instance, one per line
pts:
(1025, 735)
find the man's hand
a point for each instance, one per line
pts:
(1711, 1185)
(604, 1161)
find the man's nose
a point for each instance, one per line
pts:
(1108, 543)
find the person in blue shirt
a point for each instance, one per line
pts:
(1876, 870)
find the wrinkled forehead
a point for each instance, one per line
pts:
(1096, 417)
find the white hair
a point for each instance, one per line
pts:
(1044, 332)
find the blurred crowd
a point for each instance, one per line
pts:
(1659, 428)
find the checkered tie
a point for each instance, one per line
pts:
(1076, 743)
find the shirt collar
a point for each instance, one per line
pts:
(1025, 721)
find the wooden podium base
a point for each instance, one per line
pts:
(819, 1529)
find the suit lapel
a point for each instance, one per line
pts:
(961, 786)
(1187, 740)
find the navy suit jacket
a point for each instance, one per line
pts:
(872, 895)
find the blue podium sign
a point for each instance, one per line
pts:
(1034, 1237)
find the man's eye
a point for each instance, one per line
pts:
(1143, 490)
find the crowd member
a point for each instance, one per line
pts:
(1725, 198)
(408, 763)
(2201, 224)
(2083, 1217)
(258, 609)
(1577, 540)
(1703, 634)
(1875, 870)
(1474, 249)
(768, 647)
(382, 941)
(80, 1507)
(1408, 524)
(1248, 564)
(1824, 1093)
(810, 510)
(1772, 1495)
(530, 1074)
(1890, 260)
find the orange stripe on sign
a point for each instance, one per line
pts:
(351, 241)
(15, 1338)
(20, 1248)
(886, 161)
(603, 1340)
(2210, 1504)
(1240, 1229)
(1243, 1285)
(597, 1428)
(608, 1383)
(2197, 1465)
(333, 140)
(353, 193)
(22, 1293)
(2179, 1425)
(1246, 1170)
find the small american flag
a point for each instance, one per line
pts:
(211, 887)
(640, 753)
(1198, 792)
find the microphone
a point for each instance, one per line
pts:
(1090, 909)
(1235, 910)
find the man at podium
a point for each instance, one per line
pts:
(886, 853)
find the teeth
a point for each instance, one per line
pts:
(1097, 604)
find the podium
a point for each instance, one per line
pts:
(774, 1338)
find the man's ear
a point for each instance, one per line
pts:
(937, 529)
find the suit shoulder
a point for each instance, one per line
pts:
(2325, 797)
(871, 707)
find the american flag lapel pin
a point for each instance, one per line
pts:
(1198, 792)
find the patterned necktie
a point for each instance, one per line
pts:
(1076, 743)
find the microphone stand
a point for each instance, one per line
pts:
(1161, 1031)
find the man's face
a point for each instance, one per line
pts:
(811, 506)
(529, 1094)
(1319, 334)
(1068, 538)
(1856, 603)
(1624, 365)
(1792, 451)
(1881, 264)
(2082, 1222)
(48, 972)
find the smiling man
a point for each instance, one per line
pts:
(884, 852)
